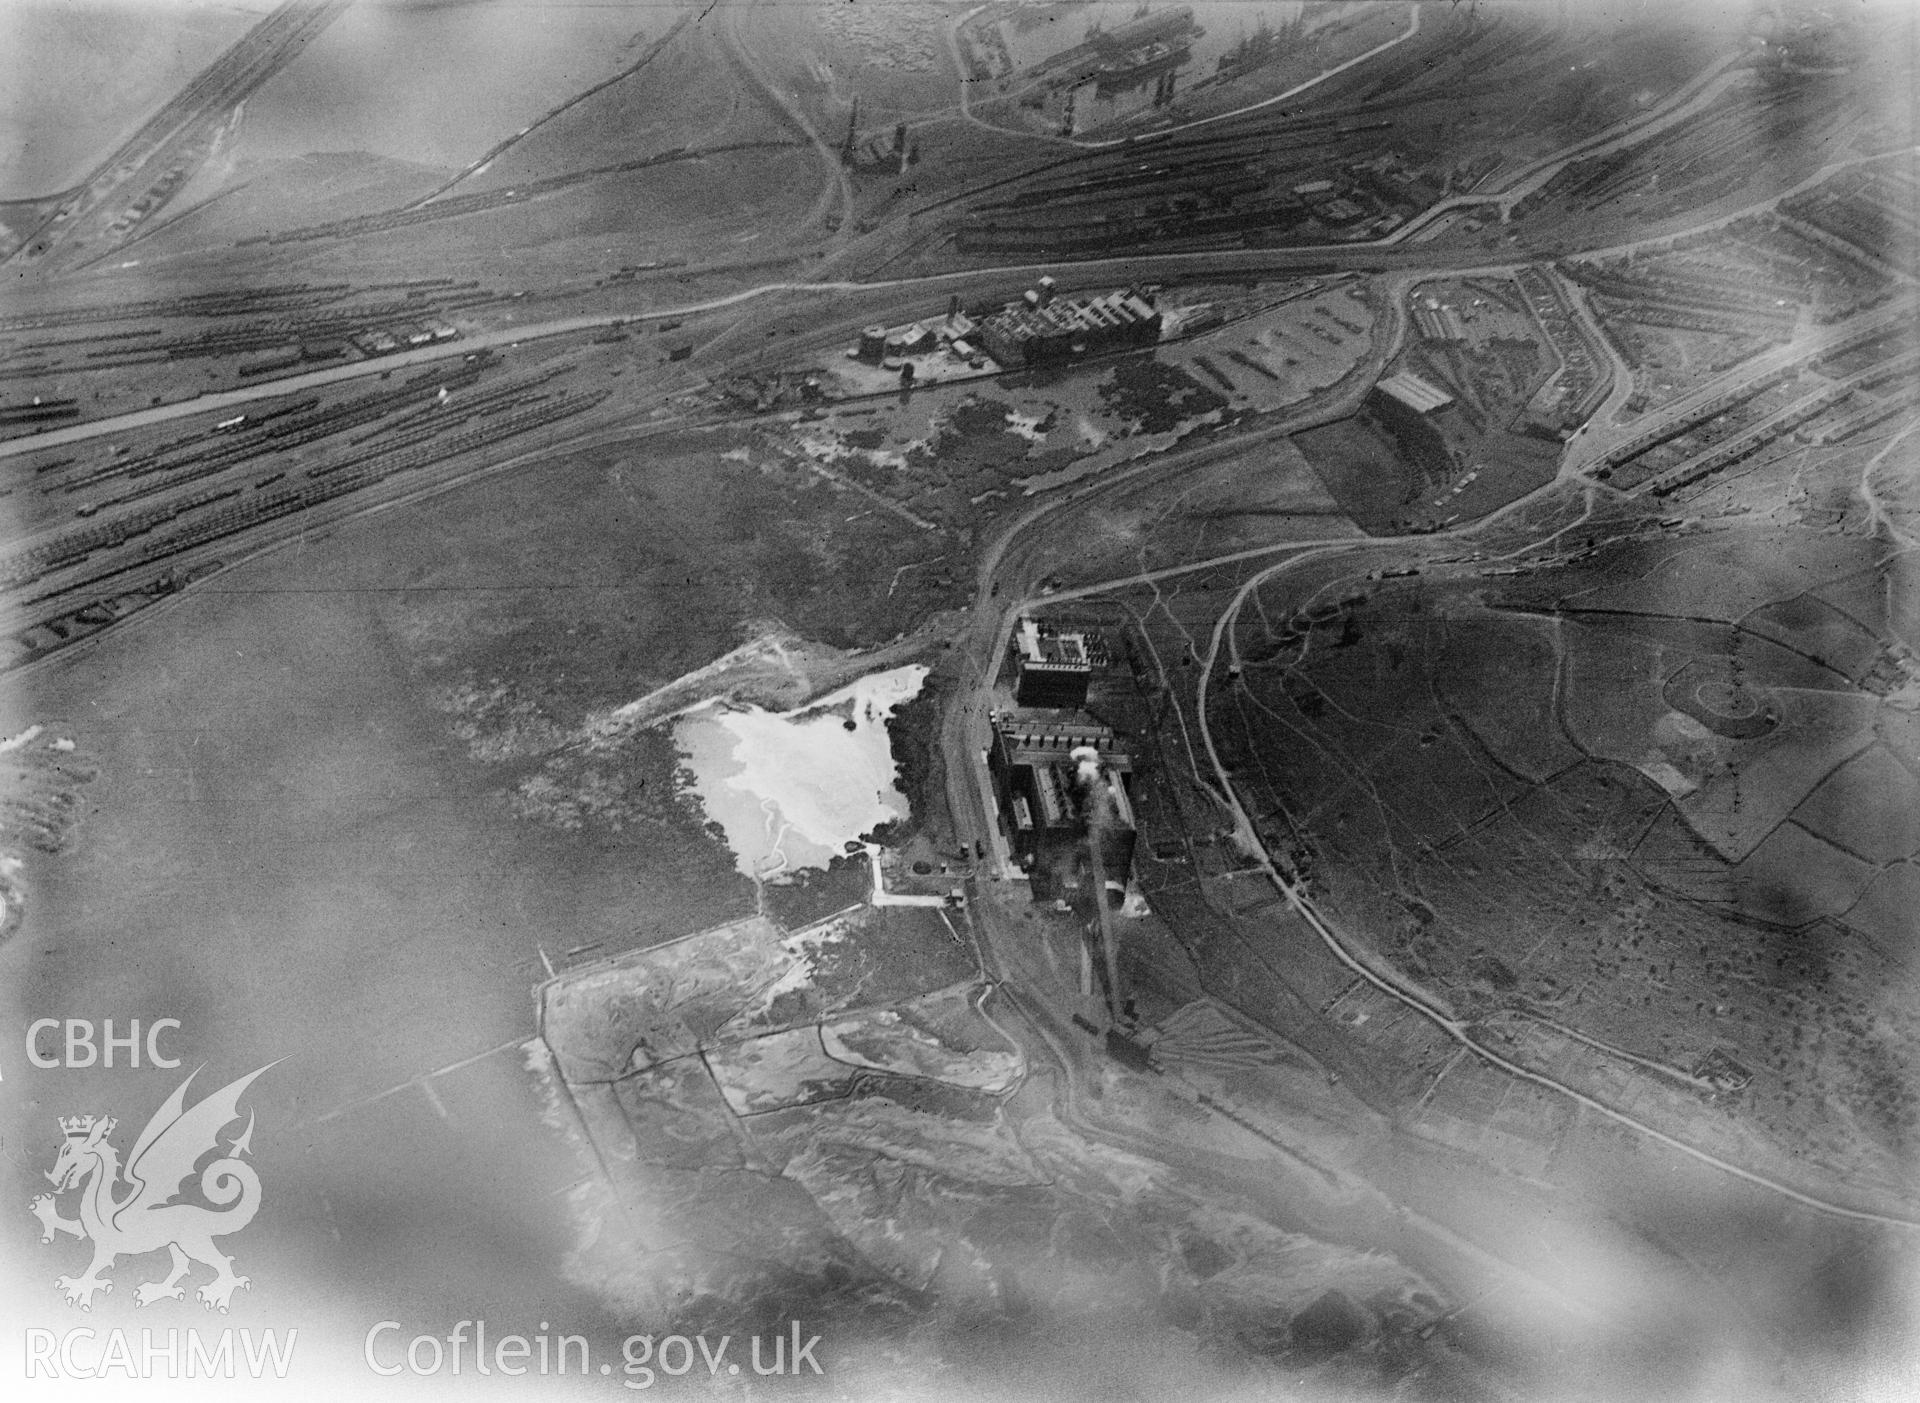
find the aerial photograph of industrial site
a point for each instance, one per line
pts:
(966, 700)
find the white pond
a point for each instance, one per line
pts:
(790, 788)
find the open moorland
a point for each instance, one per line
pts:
(1675, 758)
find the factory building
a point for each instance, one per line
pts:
(891, 345)
(1050, 668)
(1408, 391)
(1438, 322)
(1043, 327)
(1405, 405)
(1060, 779)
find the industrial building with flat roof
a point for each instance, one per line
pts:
(1438, 322)
(1409, 391)
(1050, 668)
(1043, 327)
(880, 344)
(1409, 409)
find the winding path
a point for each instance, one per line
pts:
(837, 187)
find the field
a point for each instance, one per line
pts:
(1510, 855)
(1230, 500)
(1391, 484)
(1269, 358)
(657, 104)
(61, 119)
(432, 86)
(304, 833)
(1375, 482)
(569, 231)
(574, 633)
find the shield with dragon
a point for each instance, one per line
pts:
(178, 1189)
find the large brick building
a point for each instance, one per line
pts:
(1060, 778)
(1042, 327)
(1051, 668)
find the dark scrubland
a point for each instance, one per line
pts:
(1375, 482)
(662, 551)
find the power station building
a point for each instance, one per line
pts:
(1043, 327)
(1060, 779)
(1050, 668)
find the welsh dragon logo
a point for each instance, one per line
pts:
(149, 1211)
